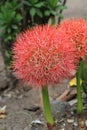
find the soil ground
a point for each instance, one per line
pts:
(23, 110)
(23, 102)
(23, 107)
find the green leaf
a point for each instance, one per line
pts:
(18, 17)
(84, 72)
(60, 15)
(84, 87)
(32, 11)
(9, 37)
(40, 4)
(33, 1)
(27, 3)
(39, 13)
(14, 26)
(47, 12)
(9, 30)
(61, 7)
(52, 3)
(2, 27)
(53, 12)
(2, 9)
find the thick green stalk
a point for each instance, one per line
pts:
(79, 90)
(46, 105)
(53, 22)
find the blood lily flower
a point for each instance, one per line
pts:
(76, 29)
(43, 56)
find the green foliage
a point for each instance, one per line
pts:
(40, 12)
(34, 7)
(16, 15)
(53, 7)
(10, 20)
(10, 26)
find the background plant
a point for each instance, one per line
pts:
(16, 15)
(10, 26)
(40, 12)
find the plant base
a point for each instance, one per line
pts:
(51, 127)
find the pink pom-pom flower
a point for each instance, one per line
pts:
(43, 55)
(76, 29)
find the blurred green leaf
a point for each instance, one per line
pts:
(18, 17)
(39, 13)
(14, 26)
(84, 87)
(60, 15)
(33, 1)
(84, 72)
(2, 28)
(47, 12)
(9, 30)
(40, 4)
(53, 12)
(54, 2)
(27, 3)
(32, 11)
(61, 7)
(84, 76)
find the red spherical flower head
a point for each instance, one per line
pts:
(77, 32)
(43, 56)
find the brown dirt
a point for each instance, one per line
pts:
(21, 100)
(18, 101)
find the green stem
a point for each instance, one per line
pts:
(46, 105)
(79, 93)
(53, 20)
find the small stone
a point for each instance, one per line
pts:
(59, 108)
(75, 124)
(32, 108)
(26, 128)
(0, 98)
(64, 124)
(9, 95)
(62, 129)
(36, 125)
(70, 120)
(72, 102)
(72, 113)
(37, 122)
(86, 123)
(20, 97)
